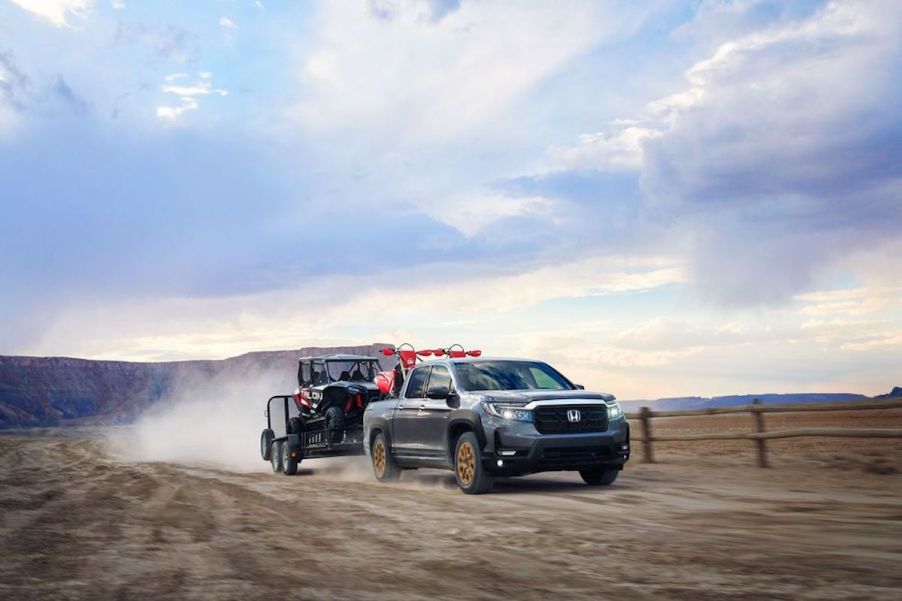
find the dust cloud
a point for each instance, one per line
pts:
(213, 422)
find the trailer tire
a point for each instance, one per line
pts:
(275, 456)
(289, 463)
(266, 444)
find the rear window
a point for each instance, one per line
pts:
(417, 383)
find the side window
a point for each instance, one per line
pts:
(417, 384)
(306, 374)
(543, 380)
(319, 374)
(439, 381)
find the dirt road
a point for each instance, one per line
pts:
(77, 523)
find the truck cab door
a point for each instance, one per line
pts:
(420, 421)
(435, 413)
(406, 442)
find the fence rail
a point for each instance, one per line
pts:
(760, 434)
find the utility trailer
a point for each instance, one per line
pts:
(285, 448)
(324, 416)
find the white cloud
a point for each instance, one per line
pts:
(202, 86)
(473, 213)
(14, 91)
(172, 113)
(56, 12)
(205, 327)
(619, 147)
(668, 334)
(227, 23)
(118, 4)
(848, 302)
(775, 154)
(397, 73)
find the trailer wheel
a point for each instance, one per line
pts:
(275, 456)
(384, 466)
(266, 444)
(289, 463)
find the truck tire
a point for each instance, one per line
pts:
(335, 423)
(384, 467)
(599, 476)
(289, 463)
(275, 456)
(468, 469)
(266, 444)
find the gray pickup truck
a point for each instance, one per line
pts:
(484, 417)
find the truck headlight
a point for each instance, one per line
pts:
(615, 411)
(513, 413)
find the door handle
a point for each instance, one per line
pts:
(422, 406)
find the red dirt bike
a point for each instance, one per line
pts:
(389, 382)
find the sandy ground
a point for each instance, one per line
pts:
(76, 522)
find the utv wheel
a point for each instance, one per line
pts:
(599, 476)
(289, 463)
(468, 469)
(275, 457)
(295, 425)
(335, 423)
(266, 444)
(384, 466)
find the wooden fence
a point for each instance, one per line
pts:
(759, 435)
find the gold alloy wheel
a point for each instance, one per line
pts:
(379, 459)
(466, 464)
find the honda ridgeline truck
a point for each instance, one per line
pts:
(483, 417)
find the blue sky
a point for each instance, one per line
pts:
(662, 198)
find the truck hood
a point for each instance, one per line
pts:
(527, 396)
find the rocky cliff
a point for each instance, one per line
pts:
(53, 391)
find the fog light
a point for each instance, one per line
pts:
(507, 453)
(625, 447)
(500, 463)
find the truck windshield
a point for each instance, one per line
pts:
(509, 375)
(352, 371)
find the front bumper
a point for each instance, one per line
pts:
(522, 450)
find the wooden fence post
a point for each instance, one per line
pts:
(645, 418)
(759, 428)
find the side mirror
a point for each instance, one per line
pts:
(453, 400)
(579, 386)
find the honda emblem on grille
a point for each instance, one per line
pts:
(573, 415)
